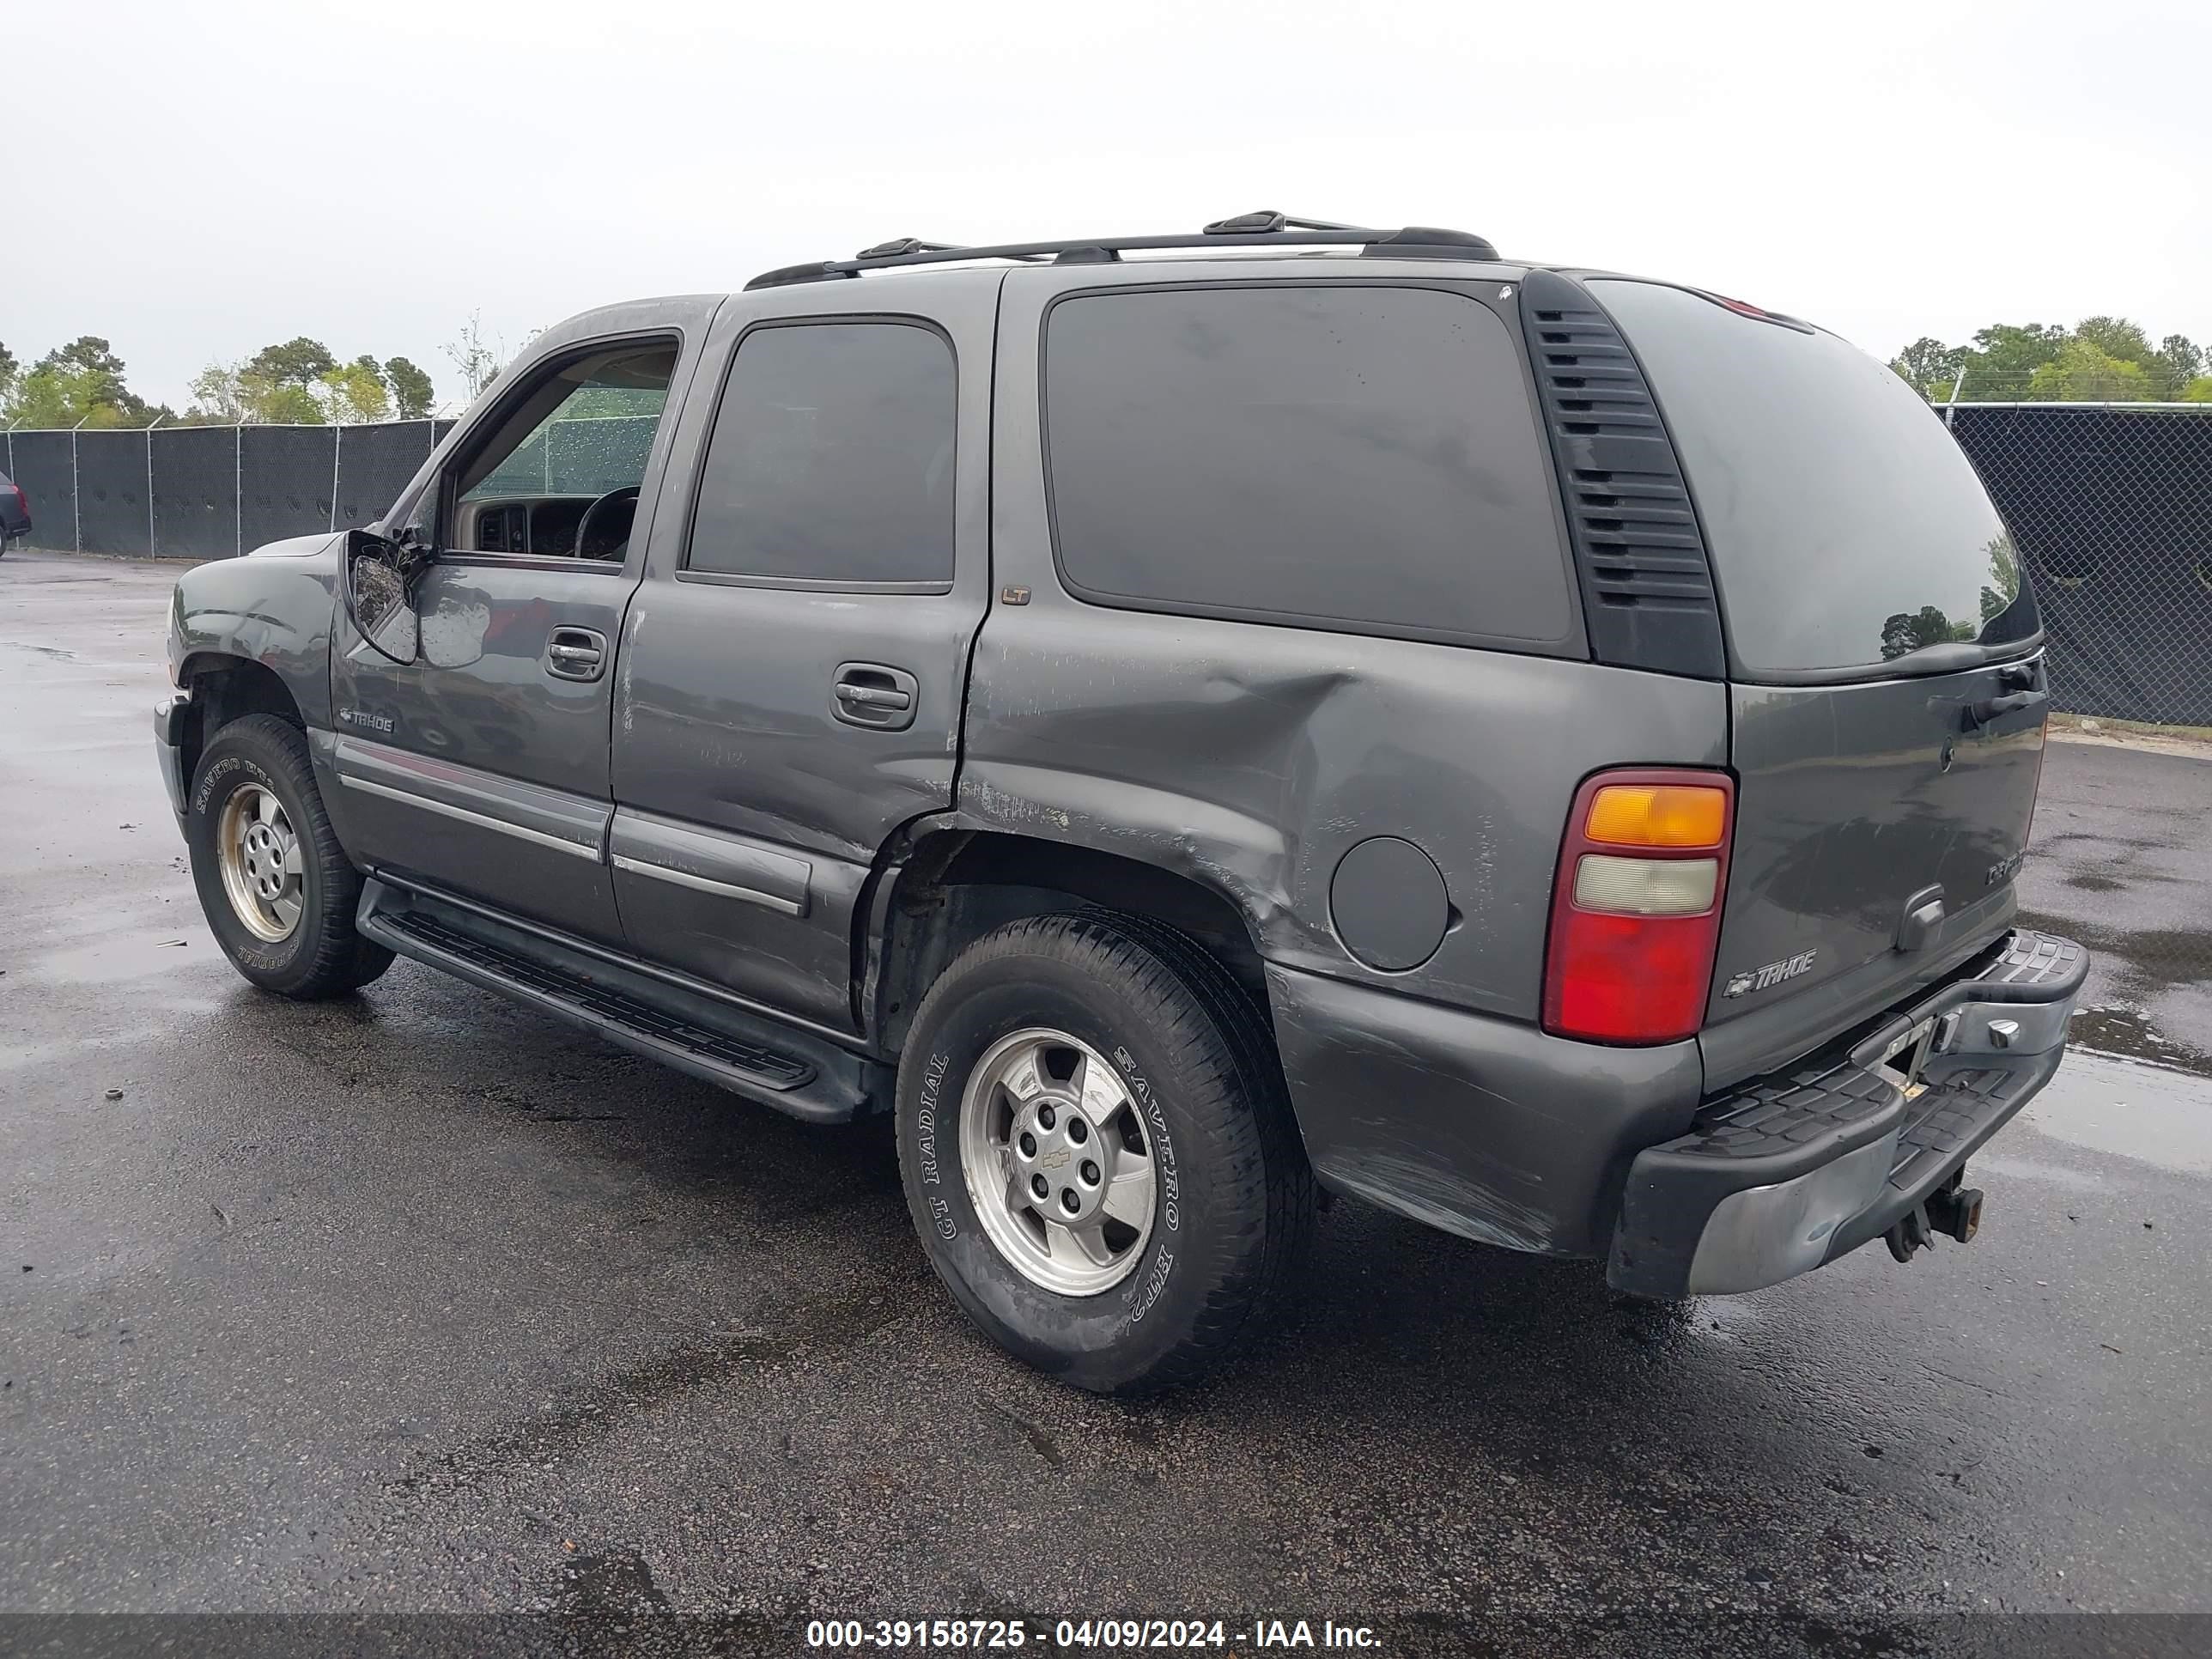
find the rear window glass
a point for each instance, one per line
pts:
(1338, 456)
(1846, 528)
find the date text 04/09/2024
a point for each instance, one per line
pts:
(953, 1635)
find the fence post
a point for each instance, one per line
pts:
(1951, 409)
(150, 544)
(238, 490)
(77, 506)
(338, 444)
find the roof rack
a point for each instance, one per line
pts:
(1263, 229)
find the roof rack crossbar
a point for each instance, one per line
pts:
(1251, 230)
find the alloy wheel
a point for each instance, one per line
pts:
(262, 864)
(1058, 1163)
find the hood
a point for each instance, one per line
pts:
(297, 547)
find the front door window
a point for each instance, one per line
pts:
(559, 476)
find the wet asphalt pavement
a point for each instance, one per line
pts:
(422, 1301)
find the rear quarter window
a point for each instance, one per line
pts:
(1845, 527)
(1362, 458)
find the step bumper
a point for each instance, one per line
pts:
(1789, 1171)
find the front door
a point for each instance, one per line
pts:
(481, 768)
(794, 664)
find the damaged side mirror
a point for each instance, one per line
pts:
(379, 575)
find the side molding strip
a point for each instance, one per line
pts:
(467, 817)
(528, 811)
(710, 861)
(685, 878)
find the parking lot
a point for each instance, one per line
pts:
(420, 1301)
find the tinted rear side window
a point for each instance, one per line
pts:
(1846, 528)
(1335, 457)
(831, 458)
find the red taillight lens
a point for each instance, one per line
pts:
(1636, 914)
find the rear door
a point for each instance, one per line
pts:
(1886, 697)
(790, 680)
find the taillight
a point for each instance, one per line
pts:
(1636, 906)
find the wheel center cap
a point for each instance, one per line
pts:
(1064, 1162)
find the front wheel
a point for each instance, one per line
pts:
(1097, 1150)
(277, 888)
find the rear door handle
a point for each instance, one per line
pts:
(873, 695)
(576, 654)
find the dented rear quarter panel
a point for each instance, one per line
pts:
(1251, 756)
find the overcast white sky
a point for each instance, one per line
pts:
(196, 181)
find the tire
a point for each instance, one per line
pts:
(317, 954)
(1232, 1196)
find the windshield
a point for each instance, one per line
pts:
(1846, 529)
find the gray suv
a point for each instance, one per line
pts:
(1310, 709)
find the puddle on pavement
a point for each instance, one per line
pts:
(2090, 882)
(2143, 964)
(2144, 1112)
(21, 1056)
(2156, 959)
(2029, 1169)
(133, 956)
(2125, 1032)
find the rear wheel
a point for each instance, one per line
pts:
(1097, 1150)
(277, 888)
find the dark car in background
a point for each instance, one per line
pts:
(14, 512)
(1542, 750)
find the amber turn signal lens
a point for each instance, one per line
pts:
(1657, 815)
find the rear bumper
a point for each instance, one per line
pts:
(1481, 1126)
(1793, 1169)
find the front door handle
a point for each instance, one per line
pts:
(576, 654)
(872, 695)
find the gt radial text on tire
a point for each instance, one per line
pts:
(1097, 1150)
(278, 890)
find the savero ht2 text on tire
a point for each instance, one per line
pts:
(1097, 1152)
(278, 890)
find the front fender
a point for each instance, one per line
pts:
(275, 607)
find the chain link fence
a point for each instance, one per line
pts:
(210, 492)
(2111, 506)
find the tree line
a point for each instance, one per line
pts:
(2101, 360)
(299, 382)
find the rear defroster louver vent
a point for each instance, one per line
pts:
(1647, 587)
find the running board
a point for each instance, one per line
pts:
(752, 1056)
